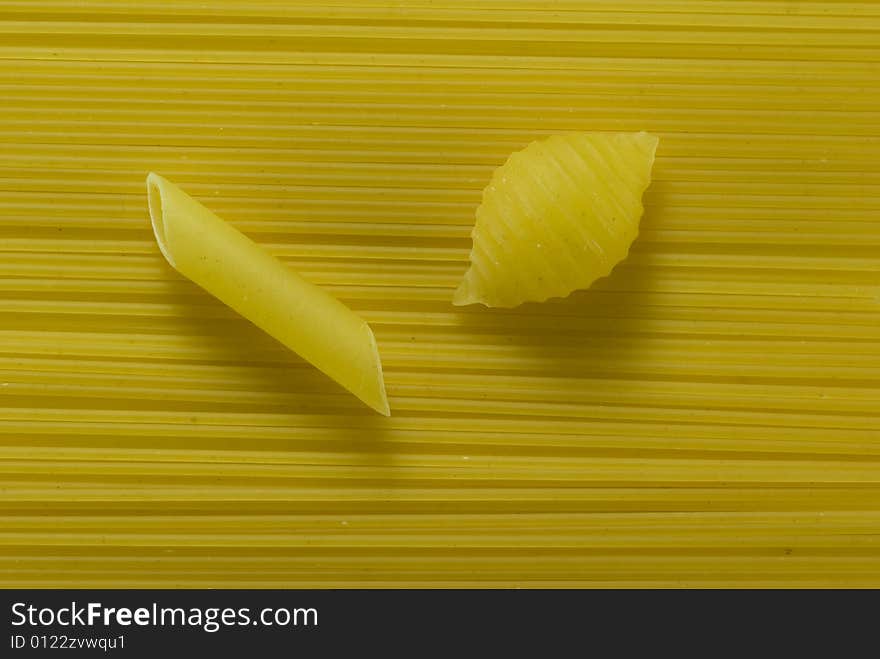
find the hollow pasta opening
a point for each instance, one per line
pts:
(157, 214)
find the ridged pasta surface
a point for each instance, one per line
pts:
(706, 415)
(556, 216)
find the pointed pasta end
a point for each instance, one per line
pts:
(380, 401)
(384, 409)
(375, 395)
(464, 294)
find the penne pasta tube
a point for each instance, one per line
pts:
(235, 270)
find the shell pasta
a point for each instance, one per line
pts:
(556, 216)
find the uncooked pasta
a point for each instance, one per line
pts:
(705, 415)
(305, 318)
(556, 216)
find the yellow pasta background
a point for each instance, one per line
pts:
(707, 415)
